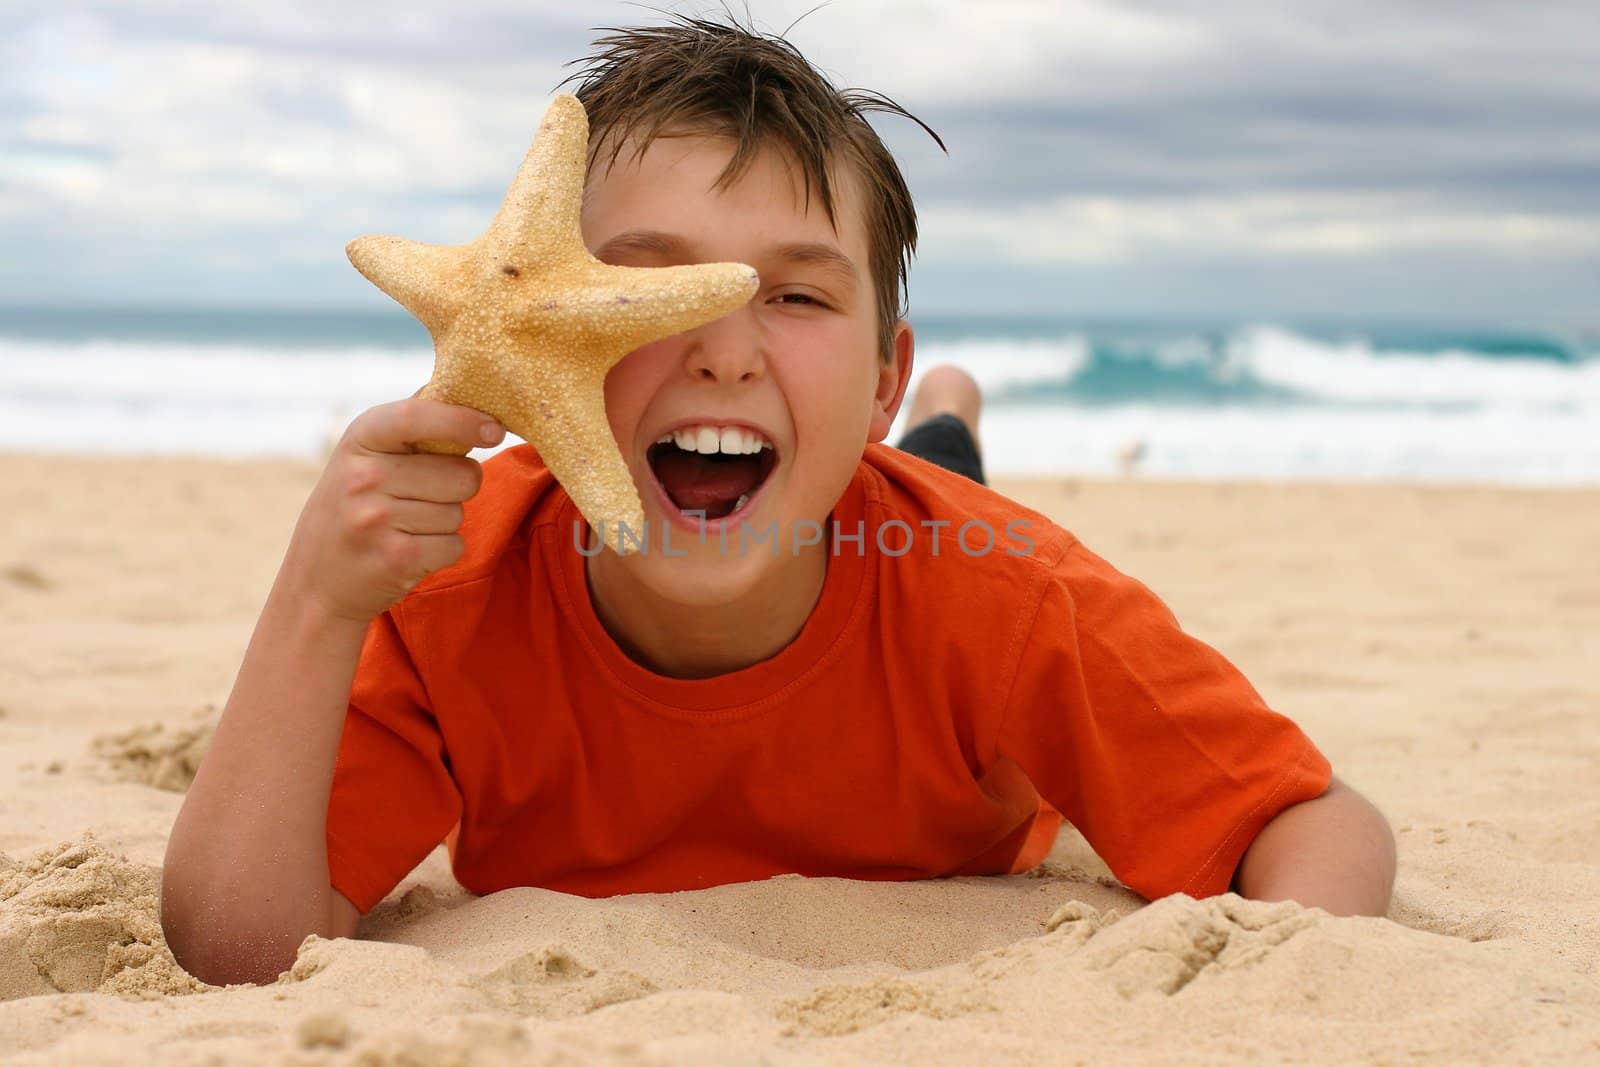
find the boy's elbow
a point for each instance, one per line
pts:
(222, 940)
(216, 951)
(1374, 826)
(1336, 852)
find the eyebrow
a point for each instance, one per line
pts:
(813, 253)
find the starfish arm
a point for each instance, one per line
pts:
(415, 274)
(633, 306)
(559, 408)
(554, 402)
(539, 218)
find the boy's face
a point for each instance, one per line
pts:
(799, 362)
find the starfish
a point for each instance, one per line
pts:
(526, 323)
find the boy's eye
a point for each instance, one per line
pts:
(801, 297)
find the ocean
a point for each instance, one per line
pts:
(1259, 400)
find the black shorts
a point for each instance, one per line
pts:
(944, 439)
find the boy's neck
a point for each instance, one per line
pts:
(681, 641)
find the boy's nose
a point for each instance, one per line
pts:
(728, 350)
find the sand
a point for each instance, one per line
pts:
(1438, 643)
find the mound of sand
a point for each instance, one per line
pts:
(157, 756)
(78, 918)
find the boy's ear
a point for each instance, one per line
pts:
(893, 377)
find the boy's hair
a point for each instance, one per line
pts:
(697, 76)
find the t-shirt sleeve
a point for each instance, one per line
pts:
(393, 797)
(1147, 739)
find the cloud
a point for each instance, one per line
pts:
(159, 136)
(1344, 225)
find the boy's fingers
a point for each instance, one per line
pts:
(397, 427)
(419, 517)
(437, 479)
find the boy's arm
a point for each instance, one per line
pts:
(246, 873)
(1335, 852)
(246, 876)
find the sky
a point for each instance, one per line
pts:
(1314, 158)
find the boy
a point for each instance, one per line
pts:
(852, 662)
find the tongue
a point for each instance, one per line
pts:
(696, 482)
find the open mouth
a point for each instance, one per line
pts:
(711, 469)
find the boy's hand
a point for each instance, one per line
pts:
(384, 516)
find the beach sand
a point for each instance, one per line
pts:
(1438, 643)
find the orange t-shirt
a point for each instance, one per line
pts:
(910, 730)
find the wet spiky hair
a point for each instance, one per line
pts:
(723, 79)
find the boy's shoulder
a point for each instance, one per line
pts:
(1037, 579)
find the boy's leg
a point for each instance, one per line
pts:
(943, 421)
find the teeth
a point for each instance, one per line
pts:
(709, 440)
(744, 498)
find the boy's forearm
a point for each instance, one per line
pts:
(1335, 852)
(246, 872)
